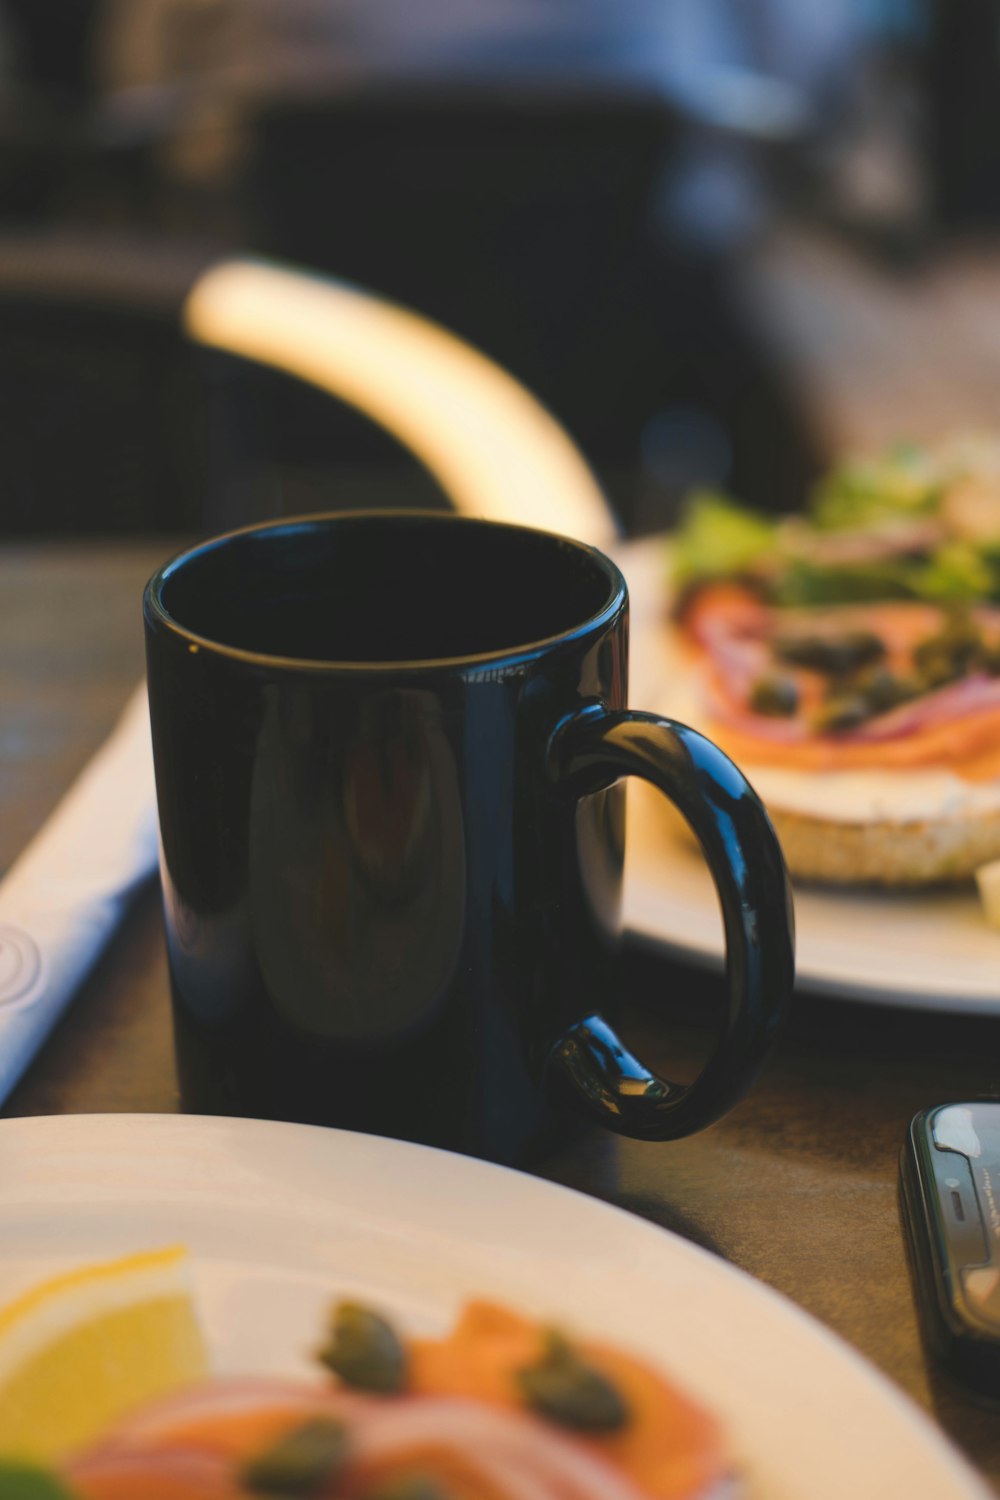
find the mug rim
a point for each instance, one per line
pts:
(156, 612)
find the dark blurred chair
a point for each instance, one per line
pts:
(122, 407)
(526, 219)
(523, 220)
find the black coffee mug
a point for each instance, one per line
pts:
(388, 755)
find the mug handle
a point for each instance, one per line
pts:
(586, 753)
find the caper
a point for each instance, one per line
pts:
(562, 1387)
(834, 655)
(365, 1350)
(302, 1463)
(952, 652)
(774, 695)
(841, 713)
(960, 625)
(883, 689)
(936, 665)
(407, 1487)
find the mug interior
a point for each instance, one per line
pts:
(386, 588)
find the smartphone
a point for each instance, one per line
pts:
(950, 1196)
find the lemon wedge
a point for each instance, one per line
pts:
(83, 1348)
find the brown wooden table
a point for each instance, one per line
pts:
(797, 1185)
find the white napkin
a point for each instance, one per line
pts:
(65, 895)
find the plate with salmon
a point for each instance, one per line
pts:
(382, 1321)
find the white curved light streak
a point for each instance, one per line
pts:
(494, 449)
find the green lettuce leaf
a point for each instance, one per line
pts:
(718, 538)
(859, 492)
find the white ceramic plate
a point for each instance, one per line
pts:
(932, 950)
(281, 1218)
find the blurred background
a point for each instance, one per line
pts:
(724, 241)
